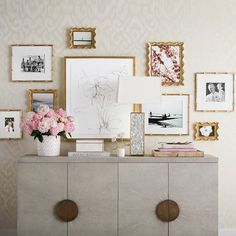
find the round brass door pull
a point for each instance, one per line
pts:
(167, 210)
(66, 210)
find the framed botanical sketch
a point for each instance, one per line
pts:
(38, 97)
(214, 91)
(91, 94)
(206, 131)
(10, 124)
(82, 38)
(31, 63)
(171, 117)
(165, 60)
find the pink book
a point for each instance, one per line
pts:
(177, 149)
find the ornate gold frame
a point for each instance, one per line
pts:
(71, 35)
(149, 59)
(21, 133)
(195, 93)
(32, 45)
(87, 57)
(173, 94)
(53, 91)
(197, 135)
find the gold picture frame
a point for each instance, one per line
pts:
(206, 131)
(31, 63)
(202, 81)
(8, 125)
(185, 118)
(77, 40)
(173, 76)
(35, 101)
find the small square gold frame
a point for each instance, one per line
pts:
(71, 35)
(198, 136)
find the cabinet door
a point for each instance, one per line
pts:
(194, 186)
(39, 187)
(141, 187)
(93, 186)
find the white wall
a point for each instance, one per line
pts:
(123, 28)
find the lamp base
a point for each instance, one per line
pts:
(137, 121)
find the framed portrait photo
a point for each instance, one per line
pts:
(31, 63)
(165, 60)
(91, 96)
(38, 97)
(214, 92)
(10, 124)
(171, 117)
(82, 38)
(206, 131)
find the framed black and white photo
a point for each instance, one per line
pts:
(91, 96)
(32, 63)
(171, 117)
(38, 97)
(10, 124)
(82, 38)
(206, 131)
(214, 92)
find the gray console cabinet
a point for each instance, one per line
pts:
(117, 196)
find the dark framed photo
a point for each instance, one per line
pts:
(214, 91)
(206, 131)
(165, 60)
(82, 38)
(10, 124)
(38, 97)
(32, 63)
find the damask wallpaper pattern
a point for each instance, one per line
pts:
(123, 29)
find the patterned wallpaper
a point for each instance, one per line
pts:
(123, 29)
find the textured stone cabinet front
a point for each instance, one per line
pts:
(117, 196)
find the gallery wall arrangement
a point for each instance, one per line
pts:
(48, 50)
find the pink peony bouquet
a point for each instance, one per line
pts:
(47, 122)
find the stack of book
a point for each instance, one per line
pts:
(177, 150)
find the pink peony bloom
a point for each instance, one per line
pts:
(51, 113)
(44, 125)
(26, 128)
(61, 112)
(54, 131)
(61, 127)
(34, 124)
(29, 117)
(69, 127)
(37, 117)
(43, 109)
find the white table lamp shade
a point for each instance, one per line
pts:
(139, 90)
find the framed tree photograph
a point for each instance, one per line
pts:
(214, 92)
(10, 124)
(206, 131)
(38, 97)
(91, 95)
(171, 117)
(31, 63)
(83, 38)
(165, 60)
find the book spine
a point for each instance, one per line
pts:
(177, 149)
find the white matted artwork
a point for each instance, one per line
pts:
(214, 92)
(10, 124)
(91, 95)
(32, 63)
(171, 117)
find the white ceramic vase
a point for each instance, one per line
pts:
(50, 146)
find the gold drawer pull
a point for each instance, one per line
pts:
(167, 210)
(66, 210)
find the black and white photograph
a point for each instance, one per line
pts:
(82, 38)
(206, 131)
(38, 97)
(31, 63)
(214, 91)
(171, 117)
(10, 124)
